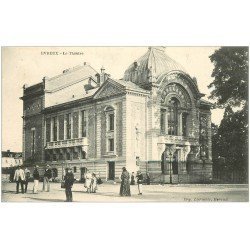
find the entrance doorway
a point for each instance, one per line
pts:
(165, 163)
(175, 164)
(111, 170)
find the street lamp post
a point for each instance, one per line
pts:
(170, 152)
(170, 168)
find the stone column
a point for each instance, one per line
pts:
(65, 128)
(51, 129)
(72, 127)
(166, 122)
(179, 122)
(80, 124)
(185, 151)
(57, 122)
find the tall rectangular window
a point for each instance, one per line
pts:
(54, 128)
(68, 126)
(48, 130)
(173, 116)
(184, 124)
(84, 124)
(61, 127)
(111, 122)
(33, 134)
(172, 121)
(111, 145)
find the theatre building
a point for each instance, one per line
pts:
(154, 119)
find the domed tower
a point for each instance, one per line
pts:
(178, 132)
(147, 70)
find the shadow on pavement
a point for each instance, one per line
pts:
(9, 192)
(46, 200)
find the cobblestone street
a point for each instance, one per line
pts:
(153, 193)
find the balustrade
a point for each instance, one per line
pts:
(67, 143)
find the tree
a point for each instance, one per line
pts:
(230, 85)
(230, 89)
(232, 143)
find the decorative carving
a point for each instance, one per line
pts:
(196, 151)
(178, 140)
(170, 149)
(176, 90)
(108, 90)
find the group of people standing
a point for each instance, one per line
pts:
(21, 177)
(90, 182)
(126, 181)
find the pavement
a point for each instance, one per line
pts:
(108, 192)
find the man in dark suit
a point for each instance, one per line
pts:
(69, 181)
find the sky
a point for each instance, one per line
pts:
(28, 65)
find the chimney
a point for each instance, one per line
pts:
(135, 65)
(45, 78)
(102, 75)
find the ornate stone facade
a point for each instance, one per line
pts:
(154, 120)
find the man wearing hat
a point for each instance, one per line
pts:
(19, 177)
(46, 178)
(69, 181)
(139, 177)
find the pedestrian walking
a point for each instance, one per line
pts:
(93, 183)
(27, 177)
(36, 177)
(147, 178)
(139, 177)
(19, 178)
(46, 178)
(69, 181)
(125, 183)
(88, 179)
(132, 179)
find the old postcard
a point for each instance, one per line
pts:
(124, 124)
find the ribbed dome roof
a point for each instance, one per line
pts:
(153, 63)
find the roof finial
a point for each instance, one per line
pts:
(160, 48)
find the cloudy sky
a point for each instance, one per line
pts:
(27, 65)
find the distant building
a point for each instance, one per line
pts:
(154, 119)
(11, 159)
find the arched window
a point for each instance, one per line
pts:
(173, 116)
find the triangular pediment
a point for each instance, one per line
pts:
(109, 88)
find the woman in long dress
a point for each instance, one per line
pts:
(125, 183)
(93, 183)
(88, 179)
